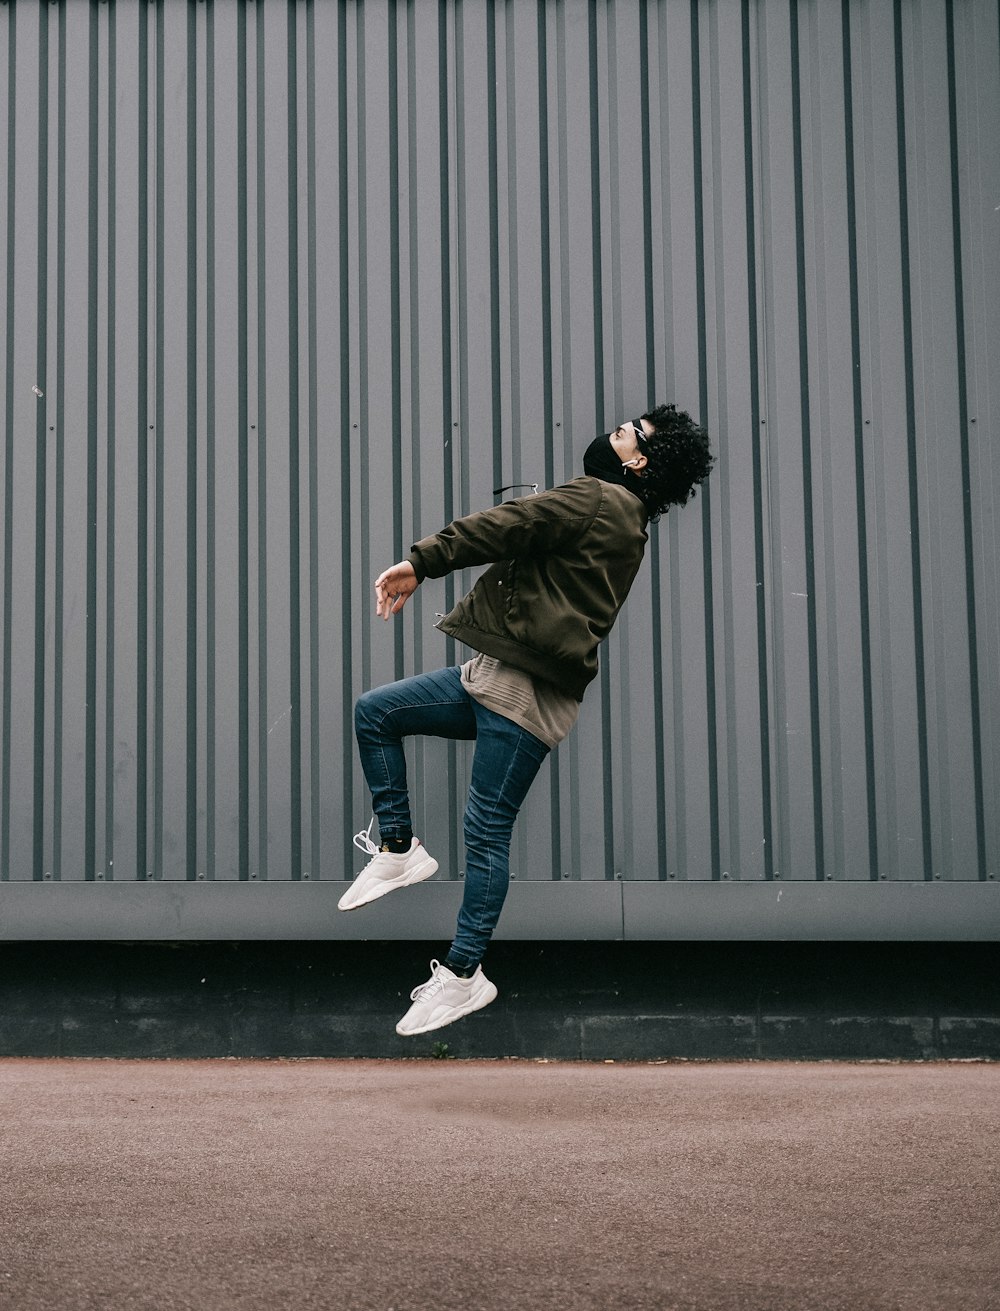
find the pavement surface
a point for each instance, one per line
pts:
(404, 1185)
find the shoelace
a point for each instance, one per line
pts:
(363, 840)
(424, 990)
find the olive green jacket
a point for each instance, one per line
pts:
(562, 565)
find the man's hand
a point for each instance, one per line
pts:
(393, 588)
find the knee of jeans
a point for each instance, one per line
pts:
(365, 710)
(482, 828)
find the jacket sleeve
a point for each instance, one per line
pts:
(531, 525)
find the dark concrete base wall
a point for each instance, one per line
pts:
(569, 1001)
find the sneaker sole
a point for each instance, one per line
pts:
(476, 1003)
(424, 870)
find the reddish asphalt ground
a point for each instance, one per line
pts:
(453, 1186)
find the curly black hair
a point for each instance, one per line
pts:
(678, 458)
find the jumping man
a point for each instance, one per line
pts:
(562, 564)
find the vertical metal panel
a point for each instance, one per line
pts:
(975, 178)
(297, 282)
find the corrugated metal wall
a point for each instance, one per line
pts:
(288, 285)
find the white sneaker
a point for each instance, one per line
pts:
(386, 871)
(445, 998)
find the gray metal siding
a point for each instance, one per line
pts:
(300, 282)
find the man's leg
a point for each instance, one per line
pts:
(433, 705)
(504, 766)
(506, 761)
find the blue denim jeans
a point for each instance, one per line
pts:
(504, 765)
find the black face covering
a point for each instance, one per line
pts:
(600, 460)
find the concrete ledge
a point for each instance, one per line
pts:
(806, 910)
(547, 910)
(219, 912)
(284, 911)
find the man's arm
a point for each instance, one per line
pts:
(531, 525)
(526, 526)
